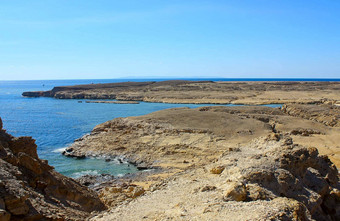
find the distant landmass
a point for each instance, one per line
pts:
(200, 92)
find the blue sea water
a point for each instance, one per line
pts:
(56, 123)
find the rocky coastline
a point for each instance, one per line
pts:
(225, 161)
(30, 189)
(202, 92)
(217, 162)
(113, 102)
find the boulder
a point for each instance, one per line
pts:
(113, 195)
(25, 145)
(217, 170)
(135, 191)
(236, 191)
(91, 180)
(16, 205)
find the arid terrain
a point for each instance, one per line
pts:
(180, 91)
(218, 162)
(260, 157)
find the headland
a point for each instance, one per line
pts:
(202, 92)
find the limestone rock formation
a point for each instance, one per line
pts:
(30, 189)
(327, 114)
(183, 134)
(118, 193)
(218, 163)
(188, 134)
(265, 179)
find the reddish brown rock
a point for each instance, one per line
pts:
(30, 189)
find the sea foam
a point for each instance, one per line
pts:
(59, 150)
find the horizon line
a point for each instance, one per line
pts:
(183, 78)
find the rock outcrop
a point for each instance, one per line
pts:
(183, 134)
(266, 179)
(327, 114)
(30, 189)
(93, 180)
(180, 91)
(188, 134)
(118, 193)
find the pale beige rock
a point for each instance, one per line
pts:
(279, 185)
(113, 195)
(327, 114)
(251, 143)
(236, 191)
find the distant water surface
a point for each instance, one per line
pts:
(56, 123)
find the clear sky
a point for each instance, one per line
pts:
(90, 39)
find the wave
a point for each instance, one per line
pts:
(85, 172)
(59, 150)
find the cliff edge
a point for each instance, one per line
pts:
(30, 189)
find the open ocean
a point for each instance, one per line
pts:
(55, 124)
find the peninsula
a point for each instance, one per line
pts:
(202, 92)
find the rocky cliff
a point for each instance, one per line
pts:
(30, 189)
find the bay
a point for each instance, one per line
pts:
(56, 123)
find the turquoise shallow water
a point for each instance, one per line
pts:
(55, 124)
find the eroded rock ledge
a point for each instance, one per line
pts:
(156, 139)
(219, 163)
(180, 91)
(30, 189)
(268, 179)
(327, 114)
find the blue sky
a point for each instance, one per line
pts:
(64, 39)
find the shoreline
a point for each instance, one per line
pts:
(291, 110)
(234, 155)
(201, 149)
(201, 92)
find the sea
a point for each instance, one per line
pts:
(56, 123)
